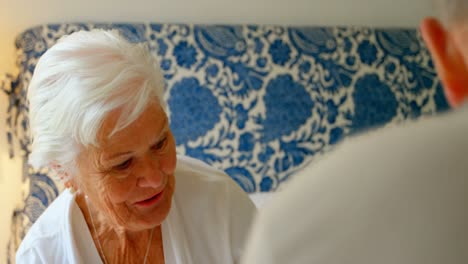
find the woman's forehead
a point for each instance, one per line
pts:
(145, 130)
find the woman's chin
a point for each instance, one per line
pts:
(149, 218)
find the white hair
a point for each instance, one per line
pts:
(75, 85)
(452, 11)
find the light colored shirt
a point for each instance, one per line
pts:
(396, 195)
(208, 223)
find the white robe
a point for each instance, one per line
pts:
(208, 223)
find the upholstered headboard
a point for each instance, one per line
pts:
(259, 102)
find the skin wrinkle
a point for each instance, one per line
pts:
(122, 228)
(108, 161)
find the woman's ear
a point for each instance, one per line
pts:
(59, 171)
(448, 60)
(64, 176)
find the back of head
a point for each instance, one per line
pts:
(452, 11)
(77, 82)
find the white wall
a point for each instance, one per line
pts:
(17, 15)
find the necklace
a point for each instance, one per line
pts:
(99, 242)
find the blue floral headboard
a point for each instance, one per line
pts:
(258, 102)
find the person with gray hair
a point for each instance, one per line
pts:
(397, 195)
(98, 121)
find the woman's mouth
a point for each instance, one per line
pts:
(151, 201)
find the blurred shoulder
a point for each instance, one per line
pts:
(376, 161)
(397, 148)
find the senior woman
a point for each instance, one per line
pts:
(98, 121)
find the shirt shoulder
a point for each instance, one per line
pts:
(46, 234)
(396, 153)
(213, 207)
(204, 184)
(198, 170)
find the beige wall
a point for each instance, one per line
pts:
(17, 15)
(9, 182)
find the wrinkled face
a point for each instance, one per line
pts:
(130, 176)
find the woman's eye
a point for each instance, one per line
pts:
(124, 165)
(160, 145)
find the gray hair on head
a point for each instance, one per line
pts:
(452, 12)
(77, 83)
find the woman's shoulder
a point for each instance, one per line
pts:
(47, 230)
(192, 170)
(210, 205)
(202, 183)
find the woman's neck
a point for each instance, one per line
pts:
(120, 245)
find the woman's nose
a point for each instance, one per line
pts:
(150, 173)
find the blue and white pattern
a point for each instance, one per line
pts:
(258, 102)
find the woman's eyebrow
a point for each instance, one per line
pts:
(116, 155)
(162, 135)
